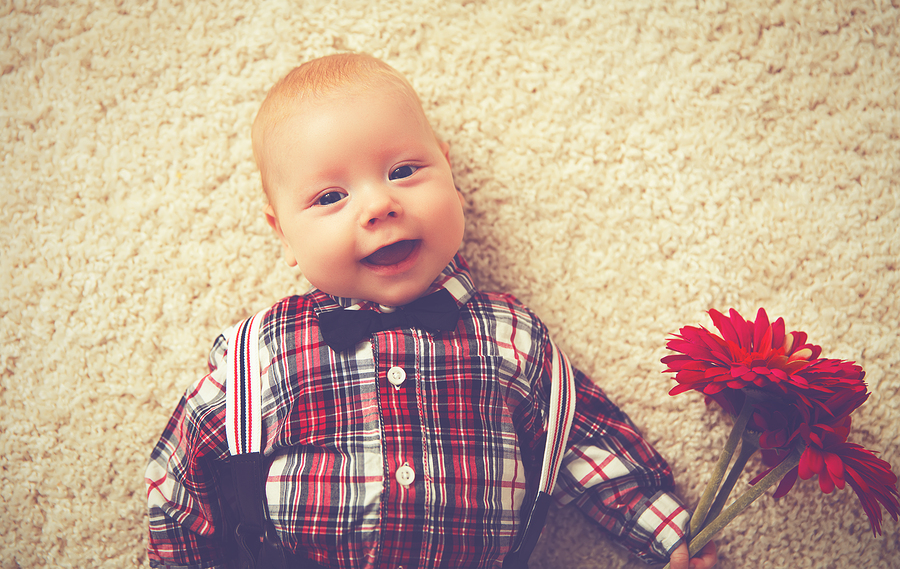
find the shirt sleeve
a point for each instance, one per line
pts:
(181, 496)
(617, 479)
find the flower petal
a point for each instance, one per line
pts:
(742, 327)
(826, 484)
(760, 327)
(778, 336)
(724, 325)
(835, 468)
(786, 484)
(680, 388)
(810, 463)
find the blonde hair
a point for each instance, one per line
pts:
(318, 78)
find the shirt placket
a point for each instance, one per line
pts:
(403, 501)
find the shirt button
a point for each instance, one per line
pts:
(396, 376)
(405, 475)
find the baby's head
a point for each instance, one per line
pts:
(359, 188)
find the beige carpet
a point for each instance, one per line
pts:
(628, 165)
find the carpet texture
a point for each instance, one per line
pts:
(627, 165)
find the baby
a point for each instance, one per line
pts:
(404, 414)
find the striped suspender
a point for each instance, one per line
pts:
(243, 417)
(559, 423)
(255, 538)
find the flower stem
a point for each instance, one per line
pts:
(741, 502)
(744, 500)
(748, 448)
(718, 473)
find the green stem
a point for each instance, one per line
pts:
(709, 493)
(748, 448)
(741, 502)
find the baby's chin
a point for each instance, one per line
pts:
(398, 294)
(399, 298)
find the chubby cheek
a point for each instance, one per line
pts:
(455, 232)
(325, 273)
(453, 224)
(323, 257)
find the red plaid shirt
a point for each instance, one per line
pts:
(466, 425)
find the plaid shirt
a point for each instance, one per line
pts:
(466, 425)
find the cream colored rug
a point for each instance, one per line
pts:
(627, 164)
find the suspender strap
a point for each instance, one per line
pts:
(559, 423)
(242, 476)
(243, 417)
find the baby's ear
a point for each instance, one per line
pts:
(272, 220)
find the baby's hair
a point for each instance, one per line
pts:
(351, 72)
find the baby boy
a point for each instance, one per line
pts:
(415, 438)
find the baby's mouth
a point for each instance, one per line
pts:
(392, 254)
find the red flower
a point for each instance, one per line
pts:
(756, 354)
(837, 462)
(779, 424)
(797, 395)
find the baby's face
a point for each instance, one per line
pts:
(362, 197)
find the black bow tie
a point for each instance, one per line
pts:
(343, 328)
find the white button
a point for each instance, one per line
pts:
(387, 309)
(396, 376)
(405, 475)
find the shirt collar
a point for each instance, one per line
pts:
(455, 278)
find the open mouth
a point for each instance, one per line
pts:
(392, 254)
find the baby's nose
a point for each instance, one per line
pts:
(379, 206)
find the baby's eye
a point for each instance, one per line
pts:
(330, 198)
(402, 172)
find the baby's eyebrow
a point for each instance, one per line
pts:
(324, 177)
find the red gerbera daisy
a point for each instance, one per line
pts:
(835, 461)
(756, 354)
(794, 396)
